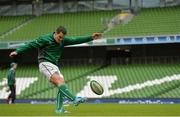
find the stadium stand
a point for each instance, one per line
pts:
(133, 74)
(153, 21)
(156, 80)
(131, 81)
(82, 23)
(9, 22)
(42, 88)
(149, 22)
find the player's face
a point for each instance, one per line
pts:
(15, 66)
(58, 36)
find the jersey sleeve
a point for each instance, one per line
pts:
(33, 44)
(77, 40)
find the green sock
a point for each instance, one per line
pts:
(59, 100)
(65, 91)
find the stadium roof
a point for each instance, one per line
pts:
(10, 2)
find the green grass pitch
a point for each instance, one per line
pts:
(92, 110)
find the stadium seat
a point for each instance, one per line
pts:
(127, 75)
(152, 21)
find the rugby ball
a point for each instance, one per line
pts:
(96, 87)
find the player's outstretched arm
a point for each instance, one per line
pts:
(33, 44)
(81, 39)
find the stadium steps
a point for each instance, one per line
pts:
(9, 22)
(18, 26)
(150, 22)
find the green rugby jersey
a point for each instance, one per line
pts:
(11, 76)
(48, 49)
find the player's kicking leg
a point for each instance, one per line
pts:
(59, 103)
(64, 91)
(53, 74)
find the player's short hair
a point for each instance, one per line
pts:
(61, 29)
(12, 64)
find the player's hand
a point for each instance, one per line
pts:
(12, 54)
(96, 36)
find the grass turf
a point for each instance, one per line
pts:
(92, 110)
